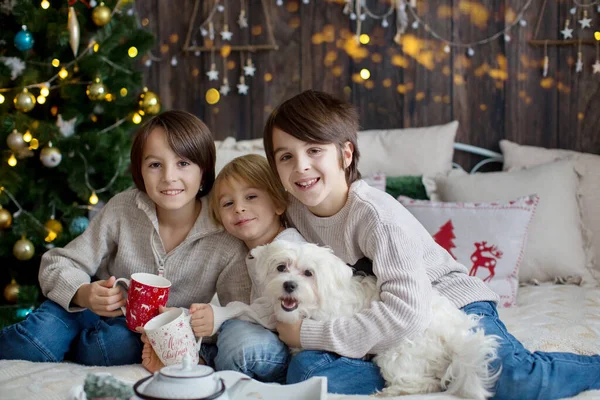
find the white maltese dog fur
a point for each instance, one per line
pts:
(453, 354)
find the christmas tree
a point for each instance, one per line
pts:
(445, 236)
(71, 94)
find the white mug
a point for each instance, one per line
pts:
(172, 337)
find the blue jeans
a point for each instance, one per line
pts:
(52, 334)
(344, 375)
(250, 349)
(539, 375)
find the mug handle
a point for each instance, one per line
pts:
(188, 319)
(127, 283)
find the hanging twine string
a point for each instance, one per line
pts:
(452, 43)
(592, 4)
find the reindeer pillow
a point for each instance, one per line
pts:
(487, 238)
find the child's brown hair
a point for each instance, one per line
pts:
(316, 117)
(254, 170)
(188, 137)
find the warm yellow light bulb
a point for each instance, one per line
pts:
(41, 99)
(109, 97)
(27, 137)
(364, 38)
(96, 47)
(137, 118)
(132, 52)
(123, 92)
(365, 74)
(45, 4)
(55, 63)
(212, 96)
(63, 73)
(93, 199)
(44, 91)
(1, 99)
(34, 144)
(12, 161)
(597, 35)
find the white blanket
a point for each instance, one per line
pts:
(548, 318)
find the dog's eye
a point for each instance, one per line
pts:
(281, 268)
(307, 273)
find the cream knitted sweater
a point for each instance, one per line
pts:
(407, 263)
(123, 238)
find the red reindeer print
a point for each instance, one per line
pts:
(480, 260)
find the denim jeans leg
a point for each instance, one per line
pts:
(107, 342)
(44, 336)
(538, 375)
(208, 352)
(344, 375)
(252, 350)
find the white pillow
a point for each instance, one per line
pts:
(555, 246)
(588, 165)
(411, 151)
(487, 238)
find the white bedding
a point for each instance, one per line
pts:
(549, 318)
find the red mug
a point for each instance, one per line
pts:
(145, 293)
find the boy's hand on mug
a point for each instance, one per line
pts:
(101, 298)
(203, 319)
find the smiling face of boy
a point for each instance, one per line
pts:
(248, 213)
(312, 173)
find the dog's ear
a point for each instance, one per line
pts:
(257, 252)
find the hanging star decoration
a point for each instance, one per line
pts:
(596, 67)
(213, 74)
(242, 87)
(225, 34)
(66, 127)
(579, 65)
(249, 69)
(225, 89)
(242, 20)
(567, 33)
(585, 22)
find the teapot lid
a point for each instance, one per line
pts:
(187, 369)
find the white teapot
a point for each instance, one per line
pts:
(186, 381)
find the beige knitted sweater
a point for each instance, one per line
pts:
(123, 238)
(407, 263)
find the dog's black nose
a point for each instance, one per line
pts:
(290, 286)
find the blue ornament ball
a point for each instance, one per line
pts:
(78, 225)
(24, 40)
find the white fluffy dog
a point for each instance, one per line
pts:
(452, 355)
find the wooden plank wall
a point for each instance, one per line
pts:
(497, 93)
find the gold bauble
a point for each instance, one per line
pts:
(74, 31)
(96, 90)
(54, 226)
(150, 103)
(15, 141)
(24, 101)
(23, 249)
(101, 15)
(5, 218)
(11, 291)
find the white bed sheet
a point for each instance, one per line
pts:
(548, 318)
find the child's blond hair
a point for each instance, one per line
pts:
(254, 170)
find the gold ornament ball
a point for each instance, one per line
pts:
(5, 218)
(150, 103)
(101, 15)
(24, 101)
(96, 91)
(23, 249)
(11, 291)
(15, 141)
(54, 226)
